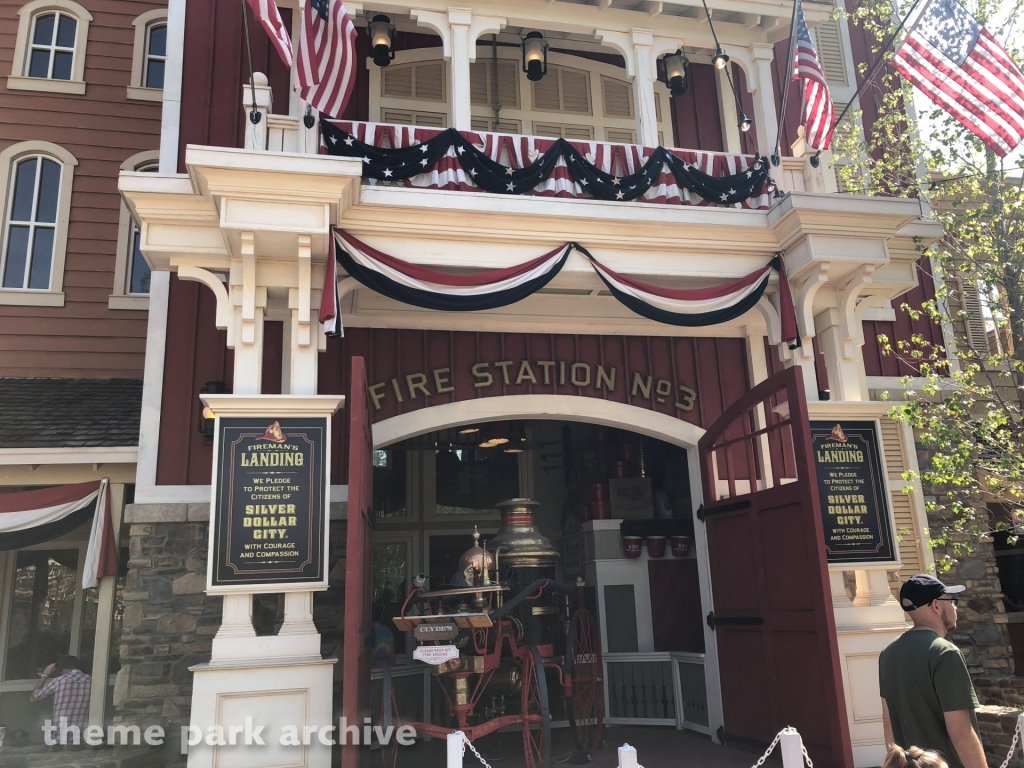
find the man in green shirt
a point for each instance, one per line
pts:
(928, 700)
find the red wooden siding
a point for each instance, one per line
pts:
(696, 121)
(878, 364)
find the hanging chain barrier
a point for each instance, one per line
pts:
(1013, 744)
(467, 743)
(775, 742)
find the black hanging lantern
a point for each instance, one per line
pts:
(206, 415)
(675, 72)
(720, 59)
(382, 40)
(535, 56)
(744, 123)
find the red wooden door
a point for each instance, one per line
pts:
(778, 655)
(355, 690)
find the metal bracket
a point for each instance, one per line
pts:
(733, 621)
(703, 513)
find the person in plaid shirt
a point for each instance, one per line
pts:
(71, 691)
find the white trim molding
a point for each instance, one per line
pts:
(137, 89)
(18, 79)
(127, 454)
(53, 296)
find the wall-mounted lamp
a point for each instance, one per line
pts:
(745, 122)
(535, 56)
(720, 59)
(382, 40)
(206, 415)
(675, 72)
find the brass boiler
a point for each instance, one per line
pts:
(519, 543)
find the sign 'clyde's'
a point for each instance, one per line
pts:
(268, 525)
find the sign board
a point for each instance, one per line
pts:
(270, 503)
(445, 631)
(631, 498)
(851, 486)
(435, 654)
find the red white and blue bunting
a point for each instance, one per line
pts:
(430, 289)
(28, 518)
(507, 164)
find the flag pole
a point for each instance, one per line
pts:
(776, 159)
(254, 113)
(876, 66)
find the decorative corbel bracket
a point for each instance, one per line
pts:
(772, 320)
(304, 289)
(220, 292)
(850, 326)
(805, 308)
(248, 288)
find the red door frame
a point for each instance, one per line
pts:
(774, 626)
(355, 701)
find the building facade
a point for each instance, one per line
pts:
(81, 93)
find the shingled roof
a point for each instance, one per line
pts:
(52, 413)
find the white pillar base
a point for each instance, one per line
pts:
(274, 693)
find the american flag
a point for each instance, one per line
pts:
(270, 19)
(819, 114)
(960, 66)
(326, 69)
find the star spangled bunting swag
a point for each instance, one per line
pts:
(330, 302)
(960, 66)
(325, 71)
(33, 517)
(818, 114)
(431, 289)
(701, 306)
(491, 176)
(270, 19)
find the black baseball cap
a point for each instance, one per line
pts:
(922, 589)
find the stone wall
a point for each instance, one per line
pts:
(170, 621)
(997, 725)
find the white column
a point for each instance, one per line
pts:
(841, 358)
(104, 619)
(730, 117)
(759, 83)
(463, 48)
(263, 97)
(643, 87)
(248, 336)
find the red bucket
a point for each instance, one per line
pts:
(631, 546)
(655, 546)
(680, 546)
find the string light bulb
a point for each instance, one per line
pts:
(720, 59)
(744, 123)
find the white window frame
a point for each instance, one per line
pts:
(119, 296)
(140, 54)
(18, 79)
(54, 295)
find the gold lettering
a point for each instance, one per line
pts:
(689, 398)
(480, 372)
(398, 390)
(644, 388)
(561, 372)
(602, 375)
(417, 381)
(576, 381)
(526, 373)
(443, 382)
(375, 396)
(547, 365)
(504, 364)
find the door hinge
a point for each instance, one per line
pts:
(703, 513)
(734, 621)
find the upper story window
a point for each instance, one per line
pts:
(31, 223)
(53, 46)
(49, 51)
(149, 58)
(131, 271)
(36, 179)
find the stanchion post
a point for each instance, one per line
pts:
(627, 757)
(1020, 729)
(792, 750)
(455, 748)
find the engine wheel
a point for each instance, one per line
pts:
(584, 662)
(536, 714)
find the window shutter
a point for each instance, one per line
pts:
(892, 449)
(575, 91)
(545, 93)
(508, 84)
(480, 124)
(487, 124)
(398, 82)
(618, 97)
(657, 107)
(548, 130)
(578, 132)
(906, 532)
(479, 79)
(430, 81)
(620, 135)
(424, 119)
(977, 337)
(830, 53)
